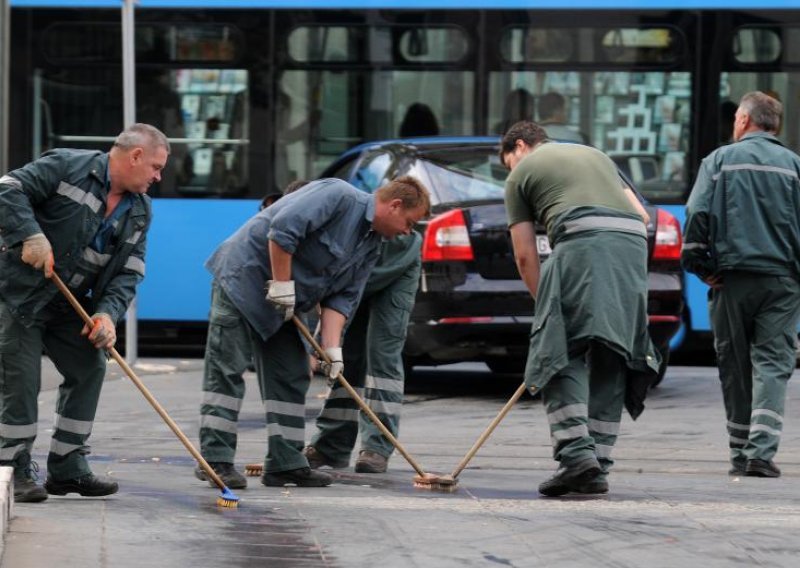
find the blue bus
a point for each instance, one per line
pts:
(256, 93)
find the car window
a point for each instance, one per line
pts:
(343, 170)
(372, 172)
(472, 175)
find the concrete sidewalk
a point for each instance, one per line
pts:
(671, 501)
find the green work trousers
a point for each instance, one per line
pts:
(372, 351)
(584, 405)
(57, 330)
(228, 352)
(754, 318)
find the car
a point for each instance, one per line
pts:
(472, 304)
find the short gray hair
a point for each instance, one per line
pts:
(765, 111)
(141, 135)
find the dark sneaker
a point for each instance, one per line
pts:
(762, 468)
(26, 490)
(316, 459)
(88, 485)
(303, 477)
(583, 477)
(370, 462)
(226, 472)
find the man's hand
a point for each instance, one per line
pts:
(103, 333)
(336, 365)
(280, 293)
(714, 281)
(37, 252)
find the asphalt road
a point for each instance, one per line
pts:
(671, 501)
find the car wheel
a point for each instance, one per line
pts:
(662, 370)
(510, 365)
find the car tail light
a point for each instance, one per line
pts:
(446, 238)
(668, 237)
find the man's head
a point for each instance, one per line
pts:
(518, 142)
(552, 107)
(399, 205)
(757, 112)
(139, 154)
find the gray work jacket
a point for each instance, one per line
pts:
(63, 195)
(327, 228)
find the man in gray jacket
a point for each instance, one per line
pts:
(84, 214)
(742, 237)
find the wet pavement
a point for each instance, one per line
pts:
(671, 501)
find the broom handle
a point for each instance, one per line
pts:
(363, 405)
(486, 433)
(136, 381)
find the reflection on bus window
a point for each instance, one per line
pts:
(756, 45)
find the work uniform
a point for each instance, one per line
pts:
(589, 343)
(63, 195)
(743, 223)
(373, 357)
(327, 228)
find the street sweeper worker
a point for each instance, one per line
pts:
(589, 337)
(85, 215)
(315, 246)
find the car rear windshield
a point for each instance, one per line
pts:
(473, 174)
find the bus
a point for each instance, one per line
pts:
(254, 94)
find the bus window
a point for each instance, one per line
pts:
(756, 45)
(433, 45)
(647, 45)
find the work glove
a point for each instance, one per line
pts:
(103, 333)
(336, 366)
(280, 293)
(37, 252)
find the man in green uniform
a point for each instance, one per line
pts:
(589, 341)
(373, 347)
(84, 214)
(742, 237)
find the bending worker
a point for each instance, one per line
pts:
(751, 260)
(589, 338)
(84, 214)
(315, 246)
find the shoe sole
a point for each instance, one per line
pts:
(83, 493)
(580, 481)
(30, 498)
(761, 473)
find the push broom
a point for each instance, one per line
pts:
(227, 498)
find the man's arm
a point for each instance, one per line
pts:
(526, 255)
(280, 262)
(696, 254)
(636, 204)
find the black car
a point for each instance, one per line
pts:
(472, 304)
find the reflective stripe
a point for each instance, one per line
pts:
(136, 264)
(18, 430)
(603, 450)
(286, 432)
(737, 441)
(694, 246)
(82, 427)
(570, 433)
(222, 400)
(14, 182)
(62, 448)
(285, 408)
(79, 196)
(217, 423)
(76, 280)
(603, 427)
(735, 426)
(768, 413)
(8, 454)
(599, 222)
(755, 168)
(764, 428)
(342, 414)
(388, 385)
(385, 407)
(578, 410)
(92, 256)
(134, 238)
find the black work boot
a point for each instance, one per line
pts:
(88, 485)
(226, 472)
(302, 477)
(738, 467)
(371, 462)
(762, 468)
(26, 490)
(317, 459)
(583, 477)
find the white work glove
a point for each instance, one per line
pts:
(103, 334)
(336, 365)
(280, 293)
(37, 252)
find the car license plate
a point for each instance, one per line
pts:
(543, 245)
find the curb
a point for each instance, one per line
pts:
(6, 502)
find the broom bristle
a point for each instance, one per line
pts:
(433, 482)
(227, 499)
(253, 469)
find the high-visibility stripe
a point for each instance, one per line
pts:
(385, 407)
(286, 432)
(388, 385)
(578, 410)
(136, 264)
(14, 182)
(79, 195)
(755, 168)
(733, 440)
(222, 400)
(693, 246)
(134, 238)
(285, 408)
(768, 413)
(735, 426)
(76, 280)
(92, 256)
(341, 414)
(82, 427)
(603, 450)
(9, 453)
(764, 428)
(603, 427)
(599, 222)
(217, 423)
(570, 433)
(63, 448)
(18, 430)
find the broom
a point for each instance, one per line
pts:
(227, 498)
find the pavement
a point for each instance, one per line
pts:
(671, 501)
